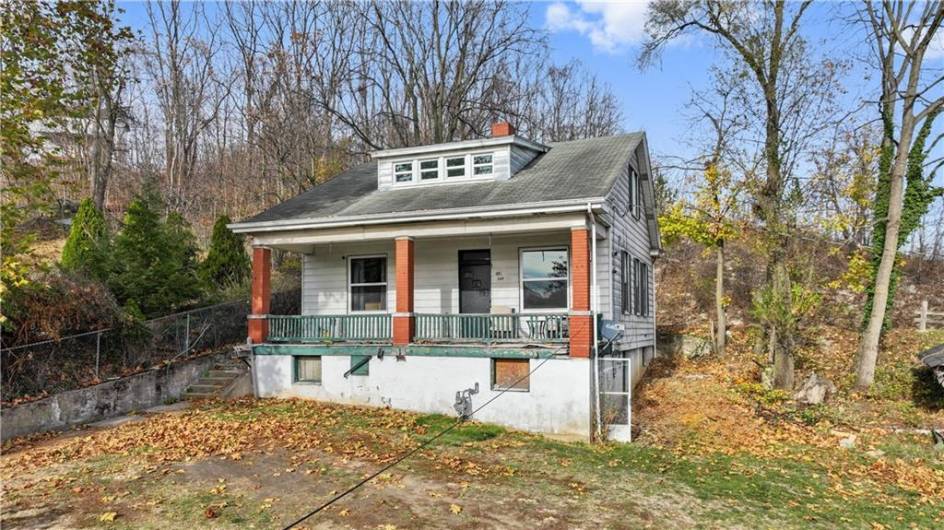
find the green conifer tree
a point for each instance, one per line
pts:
(226, 262)
(154, 261)
(86, 249)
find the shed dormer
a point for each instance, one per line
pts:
(496, 158)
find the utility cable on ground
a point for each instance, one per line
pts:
(413, 451)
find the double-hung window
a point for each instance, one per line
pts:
(403, 171)
(544, 279)
(429, 169)
(636, 287)
(481, 165)
(625, 277)
(455, 166)
(368, 283)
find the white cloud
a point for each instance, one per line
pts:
(610, 26)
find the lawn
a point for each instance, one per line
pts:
(263, 463)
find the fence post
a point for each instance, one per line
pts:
(187, 334)
(923, 316)
(98, 353)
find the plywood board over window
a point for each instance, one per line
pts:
(511, 374)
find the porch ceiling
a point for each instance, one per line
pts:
(304, 240)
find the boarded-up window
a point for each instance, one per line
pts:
(511, 374)
(308, 370)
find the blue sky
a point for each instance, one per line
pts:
(605, 36)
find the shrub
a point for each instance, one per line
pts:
(226, 262)
(61, 303)
(154, 261)
(86, 249)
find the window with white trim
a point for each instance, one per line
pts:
(544, 279)
(481, 165)
(367, 283)
(403, 171)
(455, 166)
(429, 169)
(307, 369)
(633, 192)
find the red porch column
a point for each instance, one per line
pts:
(261, 294)
(403, 323)
(581, 320)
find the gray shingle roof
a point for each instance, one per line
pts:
(580, 169)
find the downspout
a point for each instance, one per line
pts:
(594, 310)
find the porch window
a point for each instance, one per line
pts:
(429, 169)
(403, 171)
(511, 374)
(307, 369)
(481, 165)
(544, 279)
(368, 283)
(455, 167)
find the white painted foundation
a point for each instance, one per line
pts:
(558, 402)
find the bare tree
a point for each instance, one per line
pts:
(901, 34)
(793, 96)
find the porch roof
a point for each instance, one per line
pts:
(574, 171)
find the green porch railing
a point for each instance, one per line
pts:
(329, 328)
(479, 327)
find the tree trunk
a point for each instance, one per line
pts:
(721, 330)
(781, 338)
(868, 347)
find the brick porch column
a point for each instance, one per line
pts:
(581, 320)
(261, 294)
(403, 324)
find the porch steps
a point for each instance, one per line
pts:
(216, 380)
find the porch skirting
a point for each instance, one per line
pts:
(557, 402)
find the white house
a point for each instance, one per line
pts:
(499, 263)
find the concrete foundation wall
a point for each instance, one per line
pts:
(558, 401)
(75, 407)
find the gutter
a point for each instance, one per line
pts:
(512, 210)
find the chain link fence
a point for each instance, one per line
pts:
(75, 361)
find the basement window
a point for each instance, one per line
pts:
(511, 374)
(307, 369)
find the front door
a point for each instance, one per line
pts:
(475, 281)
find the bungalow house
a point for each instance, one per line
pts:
(436, 276)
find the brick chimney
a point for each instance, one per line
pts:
(502, 128)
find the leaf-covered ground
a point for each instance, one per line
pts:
(260, 464)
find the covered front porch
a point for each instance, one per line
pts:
(493, 288)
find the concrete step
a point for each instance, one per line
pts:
(200, 387)
(216, 379)
(224, 373)
(198, 395)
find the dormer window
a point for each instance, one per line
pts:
(482, 165)
(403, 171)
(455, 166)
(429, 169)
